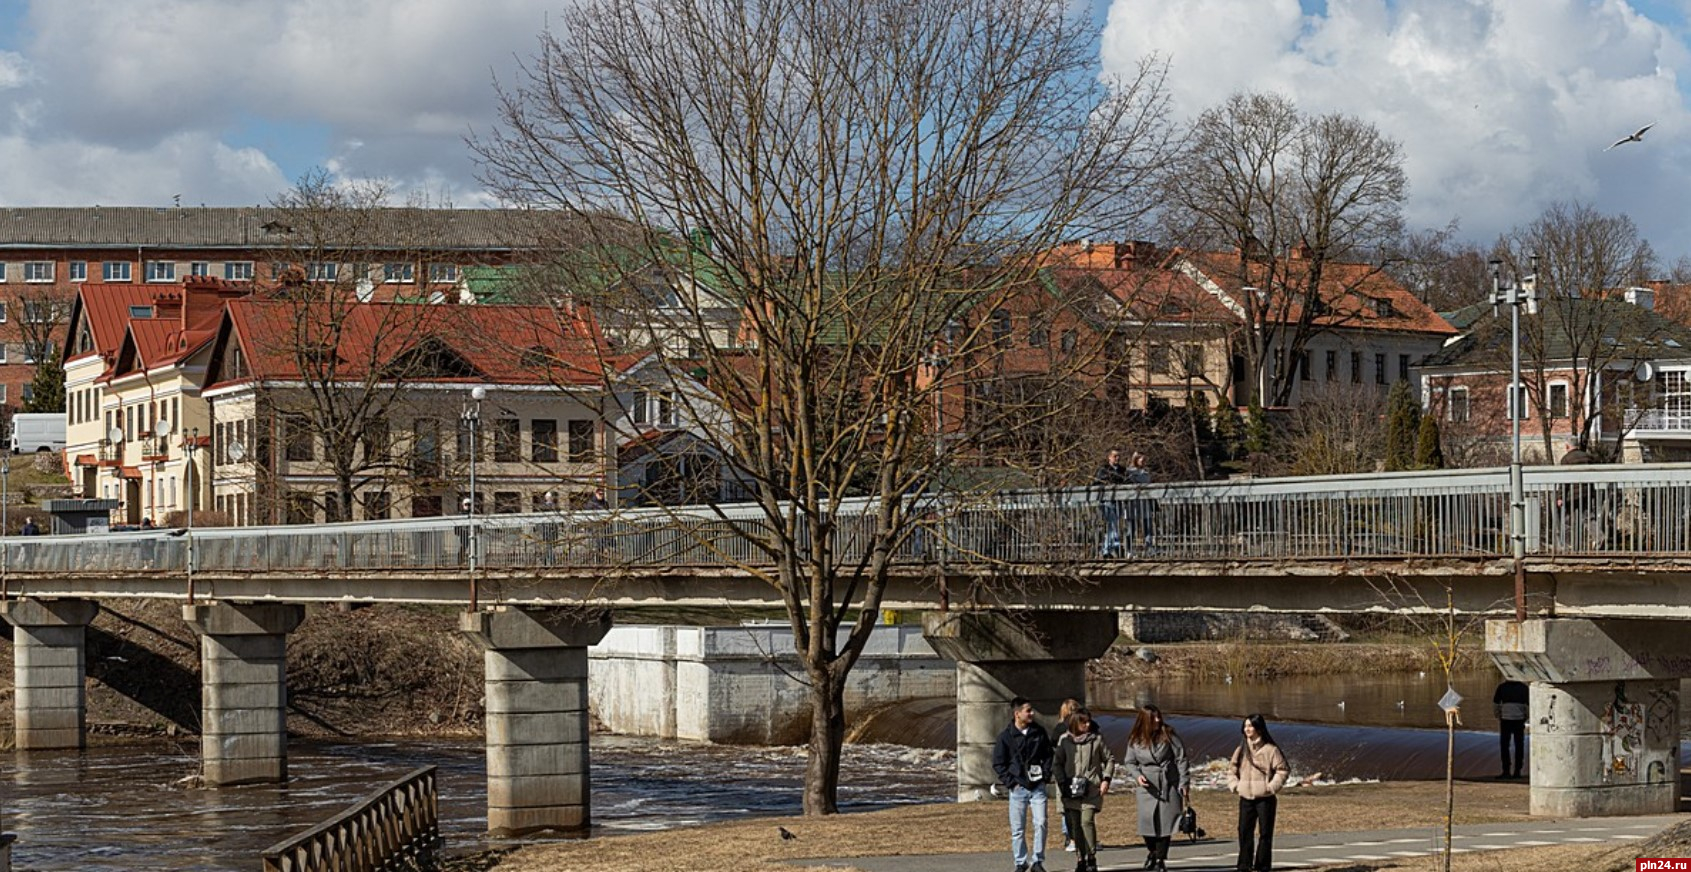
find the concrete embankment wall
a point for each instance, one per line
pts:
(1197, 626)
(743, 685)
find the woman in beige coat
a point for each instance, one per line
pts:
(1083, 765)
(1259, 771)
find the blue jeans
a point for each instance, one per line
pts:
(1110, 512)
(1022, 800)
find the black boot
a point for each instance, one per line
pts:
(1150, 852)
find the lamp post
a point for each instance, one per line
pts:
(190, 447)
(472, 423)
(5, 517)
(1521, 290)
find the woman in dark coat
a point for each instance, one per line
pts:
(1156, 760)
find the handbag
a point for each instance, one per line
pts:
(1188, 824)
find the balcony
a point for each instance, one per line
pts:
(1659, 424)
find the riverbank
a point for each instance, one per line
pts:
(755, 845)
(1267, 660)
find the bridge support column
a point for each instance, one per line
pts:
(1040, 655)
(49, 666)
(1604, 711)
(537, 739)
(243, 690)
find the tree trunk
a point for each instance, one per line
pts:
(827, 738)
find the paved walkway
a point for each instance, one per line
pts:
(1300, 852)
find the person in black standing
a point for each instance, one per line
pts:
(1111, 474)
(1510, 703)
(1022, 760)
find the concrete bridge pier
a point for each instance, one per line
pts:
(49, 667)
(537, 736)
(1040, 655)
(243, 690)
(1604, 711)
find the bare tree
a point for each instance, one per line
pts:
(851, 182)
(40, 312)
(1585, 333)
(1335, 431)
(1440, 270)
(1260, 177)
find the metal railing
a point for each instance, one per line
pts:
(397, 827)
(1575, 511)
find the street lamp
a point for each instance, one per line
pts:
(5, 517)
(472, 422)
(1521, 290)
(190, 445)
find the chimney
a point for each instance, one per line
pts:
(1643, 298)
(1130, 254)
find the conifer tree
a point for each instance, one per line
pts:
(1428, 453)
(1403, 424)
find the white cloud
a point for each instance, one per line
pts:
(384, 88)
(1503, 107)
(35, 172)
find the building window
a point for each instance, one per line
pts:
(34, 350)
(1332, 366)
(40, 311)
(637, 408)
(1068, 341)
(28, 392)
(425, 446)
(115, 271)
(1039, 330)
(543, 439)
(1384, 308)
(1557, 400)
(581, 441)
(140, 311)
(79, 270)
(38, 271)
(1304, 368)
(1356, 367)
(301, 442)
(1158, 359)
(462, 443)
(1379, 369)
(398, 273)
(507, 502)
(507, 440)
(2, 311)
(1458, 405)
(1194, 360)
(425, 507)
(199, 268)
(161, 270)
(1403, 367)
(322, 271)
(443, 272)
(2, 271)
(1000, 325)
(1518, 408)
(237, 270)
(378, 506)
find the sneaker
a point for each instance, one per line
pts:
(1069, 846)
(1037, 867)
(1021, 867)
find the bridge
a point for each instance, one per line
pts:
(1012, 585)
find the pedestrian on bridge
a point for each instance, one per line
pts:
(1022, 760)
(1109, 477)
(1141, 510)
(1258, 772)
(1156, 758)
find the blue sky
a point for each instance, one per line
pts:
(1503, 106)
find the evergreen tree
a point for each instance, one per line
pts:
(1428, 453)
(1257, 435)
(1229, 433)
(47, 388)
(1403, 424)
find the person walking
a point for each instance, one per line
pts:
(1083, 765)
(1064, 712)
(1509, 702)
(30, 528)
(1258, 772)
(1109, 475)
(1156, 759)
(1022, 760)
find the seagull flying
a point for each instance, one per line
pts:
(1636, 137)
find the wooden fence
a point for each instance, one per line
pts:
(395, 828)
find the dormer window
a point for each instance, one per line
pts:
(140, 311)
(1383, 307)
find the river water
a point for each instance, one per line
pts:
(125, 807)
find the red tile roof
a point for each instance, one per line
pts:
(534, 345)
(1352, 292)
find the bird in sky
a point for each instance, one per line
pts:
(1636, 137)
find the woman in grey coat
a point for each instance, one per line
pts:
(1156, 760)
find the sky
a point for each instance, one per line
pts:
(1503, 106)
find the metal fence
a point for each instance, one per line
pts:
(1595, 510)
(397, 827)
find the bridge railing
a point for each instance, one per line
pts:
(1571, 511)
(399, 823)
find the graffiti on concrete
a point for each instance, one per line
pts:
(1547, 724)
(1659, 719)
(1623, 736)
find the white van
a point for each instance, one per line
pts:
(37, 431)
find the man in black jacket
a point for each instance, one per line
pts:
(1110, 474)
(1022, 760)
